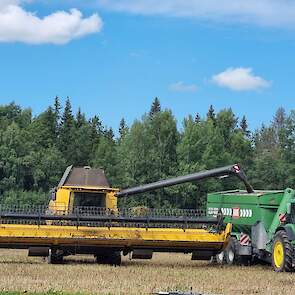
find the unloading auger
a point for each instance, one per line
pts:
(83, 218)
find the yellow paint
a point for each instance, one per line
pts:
(66, 235)
(64, 198)
(278, 253)
(114, 236)
(111, 200)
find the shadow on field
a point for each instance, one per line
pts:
(163, 262)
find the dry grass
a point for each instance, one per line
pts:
(164, 272)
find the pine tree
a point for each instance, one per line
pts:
(123, 129)
(109, 133)
(155, 108)
(67, 133)
(211, 113)
(57, 108)
(67, 117)
(244, 126)
(197, 118)
(80, 118)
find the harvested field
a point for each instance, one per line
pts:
(164, 272)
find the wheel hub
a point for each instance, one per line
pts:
(278, 254)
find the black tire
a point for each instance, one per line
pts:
(220, 258)
(112, 258)
(282, 253)
(115, 258)
(55, 257)
(230, 252)
(244, 260)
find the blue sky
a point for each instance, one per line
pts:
(113, 57)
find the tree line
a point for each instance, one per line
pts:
(35, 150)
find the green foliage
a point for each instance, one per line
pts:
(147, 153)
(20, 198)
(34, 151)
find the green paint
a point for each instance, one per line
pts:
(265, 206)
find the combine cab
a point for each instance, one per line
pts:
(83, 218)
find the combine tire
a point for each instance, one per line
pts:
(282, 252)
(112, 258)
(231, 252)
(55, 257)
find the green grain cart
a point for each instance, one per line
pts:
(263, 226)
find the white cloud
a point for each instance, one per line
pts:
(182, 87)
(20, 25)
(240, 79)
(276, 13)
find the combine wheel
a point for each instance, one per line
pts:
(55, 257)
(282, 252)
(112, 258)
(231, 251)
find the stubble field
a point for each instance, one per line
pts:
(164, 272)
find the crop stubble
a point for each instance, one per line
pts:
(164, 272)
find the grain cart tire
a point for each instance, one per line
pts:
(220, 258)
(282, 252)
(231, 251)
(244, 260)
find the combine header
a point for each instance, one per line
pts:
(83, 218)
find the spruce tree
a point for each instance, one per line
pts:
(80, 118)
(155, 108)
(211, 113)
(244, 126)
(123, 129)
(57, 108)
(109, 133)
(67, 133)
(197, 118)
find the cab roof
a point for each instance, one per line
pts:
(85, 177)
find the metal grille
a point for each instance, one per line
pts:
(98, 217)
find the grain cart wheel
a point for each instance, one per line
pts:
(231, 251)
(220, 258)
(282, 252)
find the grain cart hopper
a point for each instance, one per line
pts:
(263, 226)
(83, 218)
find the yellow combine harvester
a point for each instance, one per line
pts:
(83, 218)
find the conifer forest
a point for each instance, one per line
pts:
(35, 150)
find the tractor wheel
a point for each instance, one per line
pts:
(282, 252)
(231, 252)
